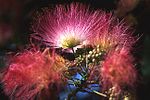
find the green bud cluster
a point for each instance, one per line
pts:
(93, 56)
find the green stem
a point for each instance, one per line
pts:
(101, 94)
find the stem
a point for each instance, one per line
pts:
(72, 94)
(73, 50)
(101, 94)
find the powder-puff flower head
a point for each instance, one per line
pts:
(30, 73)
(68, 26)
(118, 69)
(113, 34)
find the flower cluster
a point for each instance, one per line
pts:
(118, 69)
(100, 46)
(30, 72)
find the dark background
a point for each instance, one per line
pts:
(16, 17)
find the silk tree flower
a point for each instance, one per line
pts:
(31, 72)
(68, 26)
(118, 70)
(113, 34)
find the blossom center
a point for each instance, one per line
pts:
(70, 42)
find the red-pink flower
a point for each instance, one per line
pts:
(31, 72)
(118, 69)
(69, 26)
(113, 34)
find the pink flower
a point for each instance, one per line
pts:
(113, 34)
(30, 72)
(68, 26)
(118, 69)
